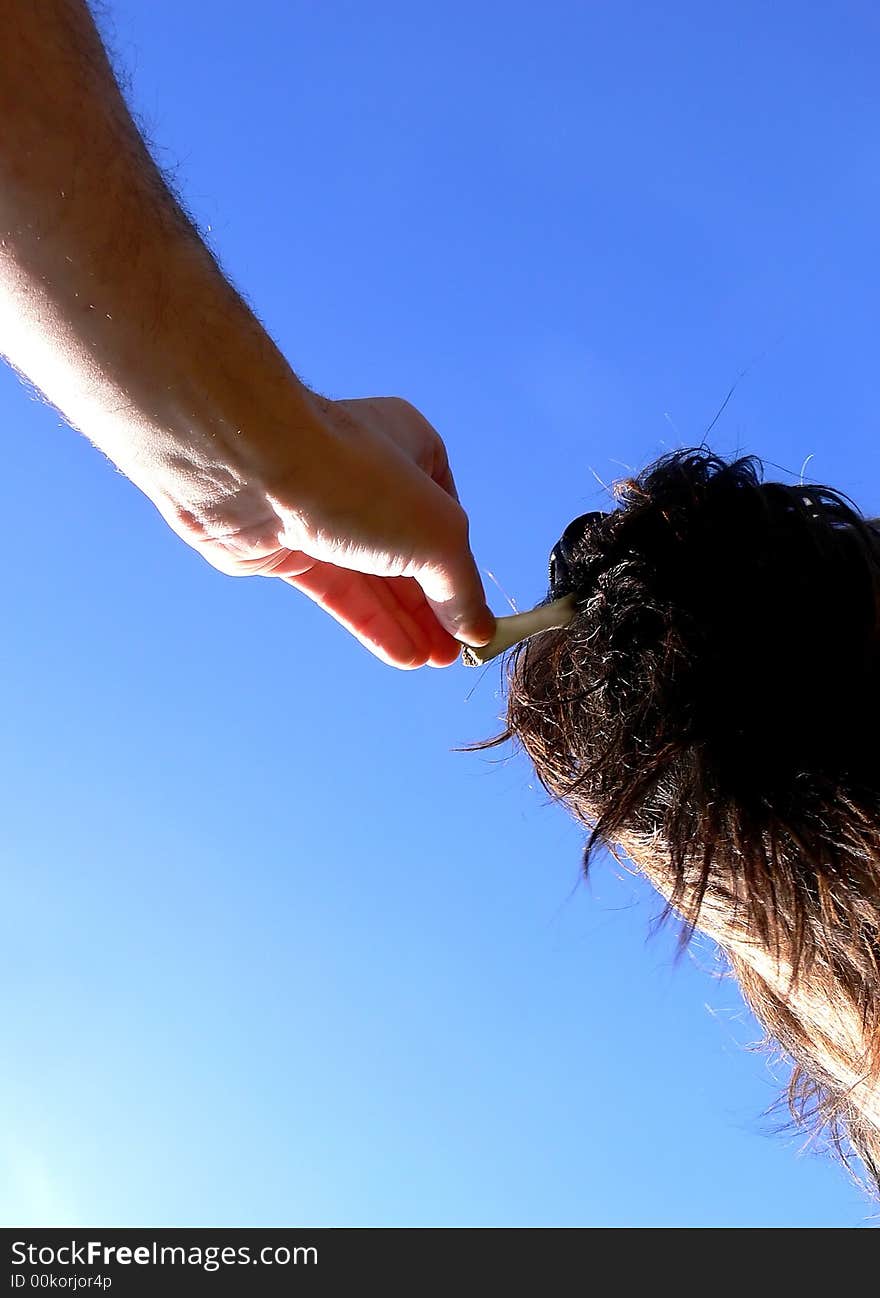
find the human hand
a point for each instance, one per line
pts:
(365, 521)
(158, 360)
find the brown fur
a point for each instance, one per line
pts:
(713, 708)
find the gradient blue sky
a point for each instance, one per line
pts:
(272, 953)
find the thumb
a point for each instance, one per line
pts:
(453, 589)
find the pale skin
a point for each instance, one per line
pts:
(112, 306)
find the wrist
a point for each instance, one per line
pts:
(228, 422)
(214, 388)
(158, 362)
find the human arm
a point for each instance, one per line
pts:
(114, 308)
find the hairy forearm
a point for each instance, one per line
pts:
(113, 307)
(109, 301)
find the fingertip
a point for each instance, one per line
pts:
(459, 602)
(478, 631)
(445, 657)
(420, 653)
(410, 662)
(405, 658)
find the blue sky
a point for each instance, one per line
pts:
(272, 952)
